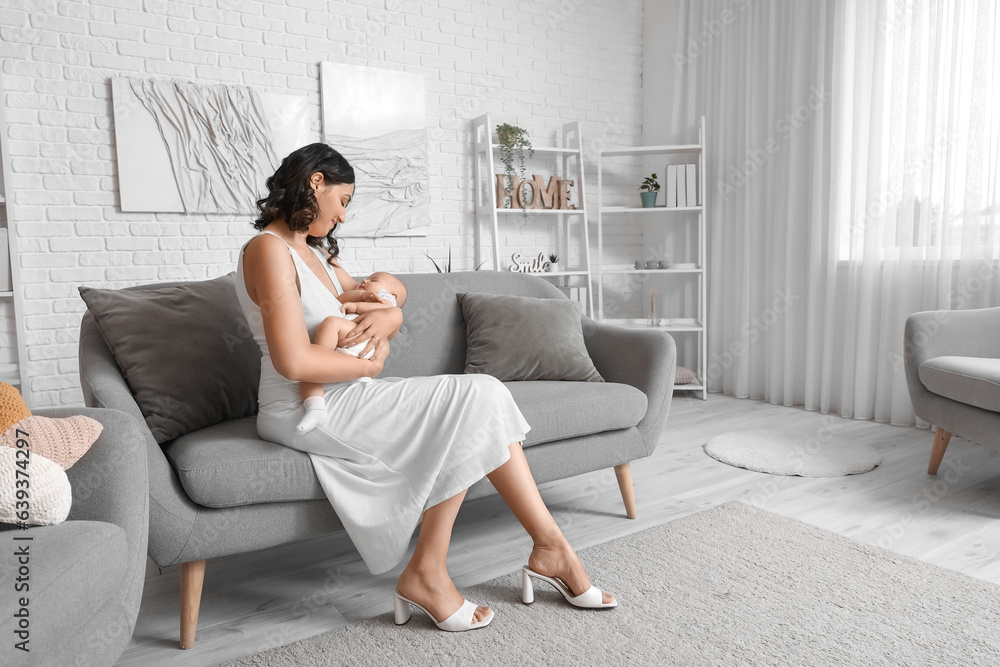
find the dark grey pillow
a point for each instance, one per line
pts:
(185, 351)
(525, 338)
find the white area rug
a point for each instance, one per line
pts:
(771, 452)
(733, 585)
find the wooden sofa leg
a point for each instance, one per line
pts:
(192, 578)
(941, 440)
(624, 474)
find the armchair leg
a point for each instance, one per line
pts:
(624, 474)
(192, 578)
(941, 440)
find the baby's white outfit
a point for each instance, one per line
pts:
(355, 350)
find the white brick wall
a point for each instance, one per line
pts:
(536, 63)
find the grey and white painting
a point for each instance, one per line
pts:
(377, 119)
(193, 148)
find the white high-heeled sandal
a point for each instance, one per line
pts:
(460, 621)
(592, 598)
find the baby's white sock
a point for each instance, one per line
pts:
(315, 408)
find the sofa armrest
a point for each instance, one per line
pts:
(172, 514)
(643, 358)
(110, 480)
(940, 333)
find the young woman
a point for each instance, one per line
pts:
(383, 473)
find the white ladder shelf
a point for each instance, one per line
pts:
(688, 326)
(14, 352)
(568, 156)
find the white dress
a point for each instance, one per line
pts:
(391, 448)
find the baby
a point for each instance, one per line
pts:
(379, 290)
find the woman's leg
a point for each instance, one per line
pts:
(552, 555)
(425, 579)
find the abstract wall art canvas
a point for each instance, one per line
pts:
(192, 148)
(377, 119)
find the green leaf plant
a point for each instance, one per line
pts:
(447, 266)
(514, 141)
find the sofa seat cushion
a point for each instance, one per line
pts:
(75, 568)
(228, 465)
(971, 380)
(557, 410)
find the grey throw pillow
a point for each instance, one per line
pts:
(525, 338)
(185, 351)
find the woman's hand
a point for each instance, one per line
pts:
(378, 358)
(376, 326)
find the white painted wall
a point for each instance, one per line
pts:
(536, 63)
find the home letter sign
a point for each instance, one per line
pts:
(555, 196)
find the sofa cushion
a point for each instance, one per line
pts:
(432, 339)
(525, 338)
(76, 567)
(558, 410)
(227, 465)
(185, 351)
(971, 380)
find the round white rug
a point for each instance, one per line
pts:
(777, 454)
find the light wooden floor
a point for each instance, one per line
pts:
(256, 601)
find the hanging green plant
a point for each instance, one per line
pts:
(514, 141)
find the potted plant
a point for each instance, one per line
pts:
(553, 265)
(513, 141)
(649, 188)
(447, 265)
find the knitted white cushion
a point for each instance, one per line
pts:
(49, 495)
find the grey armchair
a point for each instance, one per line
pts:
(85, 575)
(952, 363)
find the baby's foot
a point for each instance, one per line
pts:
(315, 414)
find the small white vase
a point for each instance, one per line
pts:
(552, 267)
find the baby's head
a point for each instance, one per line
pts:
(382, 280)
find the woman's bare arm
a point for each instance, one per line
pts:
(271, 283)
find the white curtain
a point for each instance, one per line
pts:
(853, 156)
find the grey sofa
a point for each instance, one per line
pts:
(953, 374)
(85, 575)
(222, 490)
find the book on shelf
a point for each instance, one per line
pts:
(681, 188)
(671, 201)
(692, 185)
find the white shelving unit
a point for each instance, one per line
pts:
(14, 355)
(568, 160)
(695, 323)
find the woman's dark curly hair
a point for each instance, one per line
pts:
(291, 198)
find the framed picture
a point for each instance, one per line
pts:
(377, 119)
(185, 147)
